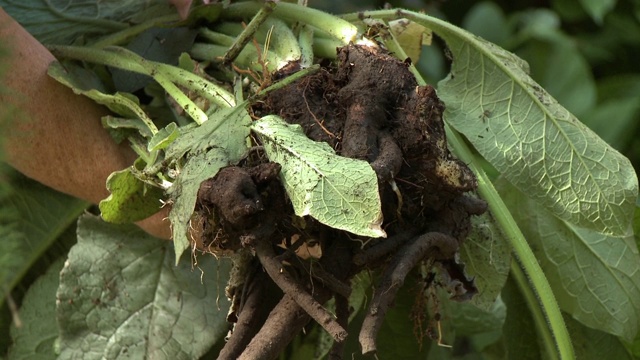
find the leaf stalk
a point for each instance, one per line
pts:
(539, 284)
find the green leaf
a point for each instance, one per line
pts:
(217, 143)
(123, 104)
(184, 193)
(40, 215)
(597, 9)
(61, 22)
(121, 296)
(615, 117)
(592, 344)
(164, 137)
(117, 123)
(130, 200)
(337, 191)
(634, 347)
(468, 319)
(486, 254)
(526, 135)
(596, 278)
(226, 128)
(520, 337)
(35, 339)
(396, 339)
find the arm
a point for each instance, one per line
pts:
(55, 136)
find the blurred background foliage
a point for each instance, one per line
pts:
(586, 53)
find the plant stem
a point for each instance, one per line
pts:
(165, 75)
(248, 57)
(536, 278)
(288, 80)
(216, 37)
(305, 39)
(325, 48)
(336, 27)
(536, 312)
(248, 32)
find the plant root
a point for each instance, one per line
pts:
(297, 292)
(285, 321)
(383, 248)
(251, 316)
(342, 316)
(369, 107)
(433, 245)
(327, 279)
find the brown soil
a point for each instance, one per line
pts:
(369, 107)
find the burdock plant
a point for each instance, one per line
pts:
(311, 171)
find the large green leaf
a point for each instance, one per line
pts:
(591, 344)
(121, 296)
(217, 143)
(33, 216)
(337, 191)
(535, 142)
(595, 278)
(61, 22)
(467, 319)
(35, 339)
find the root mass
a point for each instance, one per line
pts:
(368, 107)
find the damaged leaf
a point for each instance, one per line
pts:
(486, 254)
(85, 83)
(164, 137)
(184, 193)
(130, 200)
(216, 143)
(337, 191)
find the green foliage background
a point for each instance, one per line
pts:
(583, 55)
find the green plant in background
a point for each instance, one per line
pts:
(563, 203)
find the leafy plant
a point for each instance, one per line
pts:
(561, 200)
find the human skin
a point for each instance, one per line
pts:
(53, 135)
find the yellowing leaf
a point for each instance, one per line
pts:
(411, 36)
(130, 199)
(337, 191)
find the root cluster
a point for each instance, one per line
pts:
(369, 107)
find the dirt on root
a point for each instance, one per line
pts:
(367, 106)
